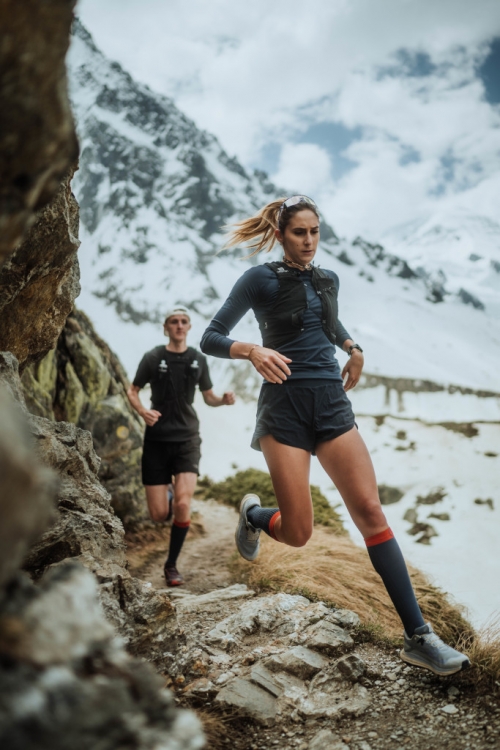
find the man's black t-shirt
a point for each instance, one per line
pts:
(173, 378)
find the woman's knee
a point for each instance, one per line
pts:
(372, 514)
(297, 537)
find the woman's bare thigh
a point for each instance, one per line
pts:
(347, 462)
(289, 468)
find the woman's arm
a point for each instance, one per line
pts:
(353, 367)
(269, 363)
(245, 294)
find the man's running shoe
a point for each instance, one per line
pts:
(425, 649)
(247, 538)
(172, 576)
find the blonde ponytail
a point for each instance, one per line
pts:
(257, 232)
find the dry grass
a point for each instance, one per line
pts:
(333, 569)
(215, 728)
(483, 649)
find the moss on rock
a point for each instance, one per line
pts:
(73, 396)
(83, 382)
(89, 366)
(45, 372)
(38, 400)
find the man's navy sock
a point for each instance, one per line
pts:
(263, 518)
(388, 561)
(177, 536)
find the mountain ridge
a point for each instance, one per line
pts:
(154, 191)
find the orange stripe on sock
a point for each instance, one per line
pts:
(181, 525)
(384, 536)
(271, 525)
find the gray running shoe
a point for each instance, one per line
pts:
(247, 538)
(426, 649)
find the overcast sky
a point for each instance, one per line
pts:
(382, 110)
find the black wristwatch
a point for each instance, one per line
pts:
(353, 346)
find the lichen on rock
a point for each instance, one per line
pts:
(83, 382)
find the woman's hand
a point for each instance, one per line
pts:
(269, 363)
(353, 369)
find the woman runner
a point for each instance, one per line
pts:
(303, 408)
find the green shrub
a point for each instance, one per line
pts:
(232, 489)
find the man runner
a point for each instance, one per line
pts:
(172, 439)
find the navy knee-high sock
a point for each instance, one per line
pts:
(388, 561)
(177, 535)
(263, 518)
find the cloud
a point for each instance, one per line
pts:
(303, 168)
(381, 107)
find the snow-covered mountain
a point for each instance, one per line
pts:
(154, 191)
(458, 251)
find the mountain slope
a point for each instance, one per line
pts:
(154, 191)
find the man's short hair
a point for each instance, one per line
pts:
(179, 310)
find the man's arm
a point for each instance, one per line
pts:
(209, 397)
(150, 416)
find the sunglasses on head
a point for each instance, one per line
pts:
(297, 199)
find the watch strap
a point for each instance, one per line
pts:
(353, 346)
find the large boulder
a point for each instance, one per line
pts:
(85, 528)
(37, 134)
(40, 280)
(83, 382)
(26, 487)
(65, 679)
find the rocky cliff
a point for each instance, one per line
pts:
(40, 280)
(37, 134)
(66, 679)
(82, 381)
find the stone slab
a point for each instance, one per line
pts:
(318, 704)
(299, 661)
(250, 699)
(351, 666)
(189, 602)
(327, 637)
(278, 684)
(345, 618)
(327, 740)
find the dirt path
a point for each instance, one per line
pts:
(204, 557)
(409, 709)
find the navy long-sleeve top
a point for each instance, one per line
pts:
(312, 354)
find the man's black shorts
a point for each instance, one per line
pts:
(303, 413)
(162, 460)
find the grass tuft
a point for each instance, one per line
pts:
(483, 649)
(332, 569)
(335, 570)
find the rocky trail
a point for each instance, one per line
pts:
(280, 671)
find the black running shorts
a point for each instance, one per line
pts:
(303, 413)
(162, 460)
